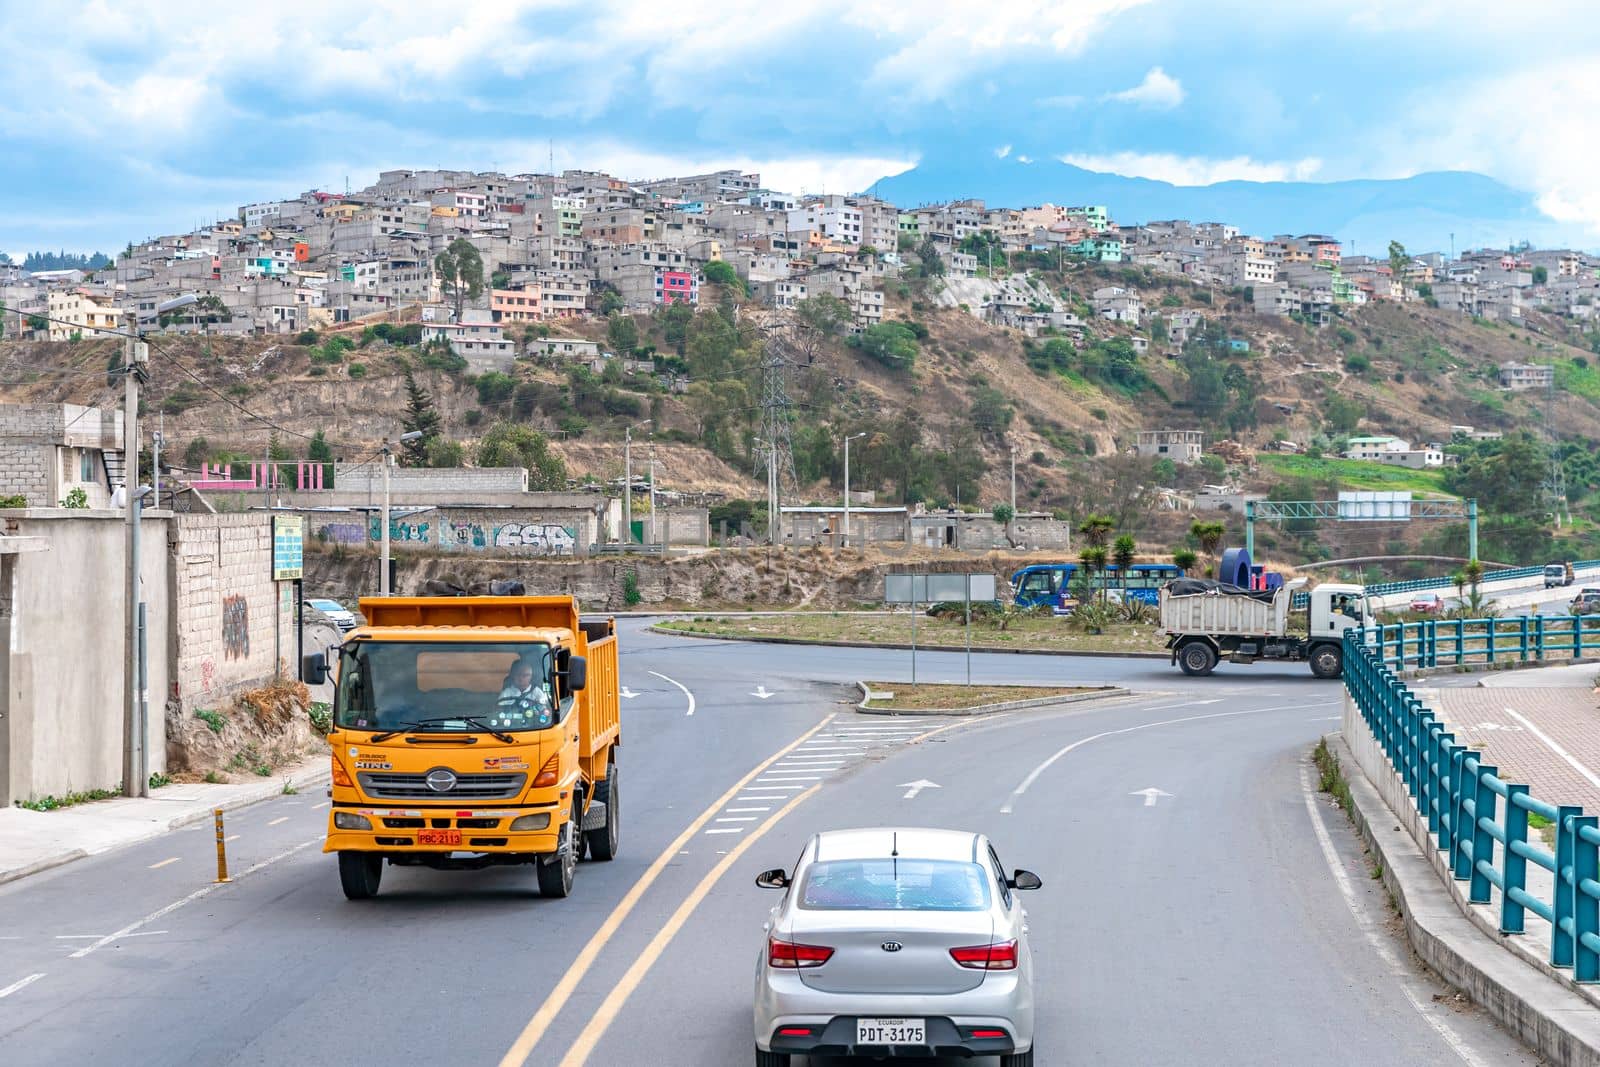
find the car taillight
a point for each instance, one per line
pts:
(1001, 956)
(550, 773)
(340, 775)
(792, 956)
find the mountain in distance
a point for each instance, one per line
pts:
(1422, 212)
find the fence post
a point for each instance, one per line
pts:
(1565, 888)
(1425, 778)
(1433, 642)
(1513, 868)
(1585, 908)
(1461, 641)
(1538, 636)
(1460, 792)
(1483, 810)
(1577, 636)
(1413, 746)
(1439, 818)
(1522, 633)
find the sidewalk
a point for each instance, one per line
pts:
(34, 841)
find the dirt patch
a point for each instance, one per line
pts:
(1033, 634)
(262, 730)
(958, 697)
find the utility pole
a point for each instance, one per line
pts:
(1013, 481)
(655, 536)
(627, 485)
(134, 782)
(846, 541)
(383, 526)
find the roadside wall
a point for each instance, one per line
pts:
(64, 653)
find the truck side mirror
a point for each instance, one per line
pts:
(577, 673)
(314, 668)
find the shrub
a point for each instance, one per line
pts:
(358, 370)
(630, 589)
(1356, 363)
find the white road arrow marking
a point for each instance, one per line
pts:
(1150, 795)
(628, 694)
(761, 693)
(913, 788)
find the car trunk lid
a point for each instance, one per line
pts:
(892, 952)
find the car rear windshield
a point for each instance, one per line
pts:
(892, 884)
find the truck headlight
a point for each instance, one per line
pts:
(531, 822)
(349, 820)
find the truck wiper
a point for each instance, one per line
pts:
(406, 728)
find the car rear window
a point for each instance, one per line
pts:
(895, 885)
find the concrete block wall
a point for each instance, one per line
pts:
(24, 469)
(365, 477)
(65, 652)
(235, 625)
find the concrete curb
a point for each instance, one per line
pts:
(986, 649)
(984, 709)
(306, 779)
(1560, 1024)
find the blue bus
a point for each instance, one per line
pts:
(1049, 583)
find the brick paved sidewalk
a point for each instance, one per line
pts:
(1546, 737)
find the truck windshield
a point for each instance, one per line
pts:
(439, 686)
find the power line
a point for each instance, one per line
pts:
(225, 398)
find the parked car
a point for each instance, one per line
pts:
(896, 942)
(1557, 574)
(1586, 602)
(1427, 604)
(336, 613)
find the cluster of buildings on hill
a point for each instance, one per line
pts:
(554, 246)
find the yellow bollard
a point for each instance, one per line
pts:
(222, 849)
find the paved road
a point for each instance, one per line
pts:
(1208, 928)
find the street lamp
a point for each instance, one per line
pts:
(627, 479)
(846, 542)
(383, 537)
(135, 756)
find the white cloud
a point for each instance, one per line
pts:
(1194, 170)
(1002, 152)
(1024, 159)
(1159, 91)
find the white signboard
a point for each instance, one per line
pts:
(1370, 506)
(931, 588)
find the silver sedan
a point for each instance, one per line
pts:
(896, 942)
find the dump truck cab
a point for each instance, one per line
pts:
(470, 732)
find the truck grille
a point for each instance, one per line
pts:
(391, 786)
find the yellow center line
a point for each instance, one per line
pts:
(523, 1047)
(581, 1049)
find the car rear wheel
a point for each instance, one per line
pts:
(771, 1059)
(1196, 658)
(360, 873)
(1017, 1059)
(603, 839)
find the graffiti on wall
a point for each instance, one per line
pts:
(453, 534)
(400, 532)
(544, 537)
(236, 627)
(343, 533)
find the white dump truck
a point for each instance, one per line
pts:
(1205, 621)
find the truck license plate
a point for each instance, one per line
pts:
(891, 1032)
(438, 837)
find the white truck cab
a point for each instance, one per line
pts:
(1336, 608)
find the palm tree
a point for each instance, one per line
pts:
(1096, 529)
(1210, 535)
(1093, 559)
(1123, 550)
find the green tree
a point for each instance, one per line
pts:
(990, 413)
(318, 450)
(509, 445)
(1505, 476)
(1096, 529)
(1123, 552)
(622, 333)
(422, 417)
(892, 344)
(442, 453)
(1341, 414)
(38, 323)
(1399, 261)
(1184, 558)
(931, 265)
(710, 342)
(197, 452)
(495, 388)
(1209, 535)
(1004, 514)
(1541, 275)
(824, 313)
(460, 268)
(1093, 558)
(721, 272)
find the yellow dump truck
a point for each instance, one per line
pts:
(473, 731)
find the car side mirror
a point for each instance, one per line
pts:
(314, 668)
(773, 879)
(1021, 879)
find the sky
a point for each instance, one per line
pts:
(120, 121)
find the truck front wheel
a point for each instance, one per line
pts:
(1197, 658)
(1327, 661)
(360, 874)
(556, 871)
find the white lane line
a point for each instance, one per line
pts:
(727, 830)
(777, 785)
(765, 808)
(231, 837)
(281, 818)
(1377, 939)
(1033, 776)
(204, 890)
(91, 937)
(792, 778)
(1557, 749)
(681, 686)
(315, 807)
(21, 983)
(738, 818)
(163, 863)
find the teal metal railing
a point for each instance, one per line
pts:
(1418, 585)
(1433, 643)
(1477, 819)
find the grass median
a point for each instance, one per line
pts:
(1032, 633)
(921, 697)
